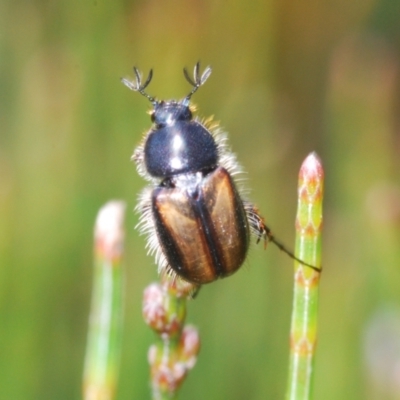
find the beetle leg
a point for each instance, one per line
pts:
(257, 224)
(172, 281)
(258, 227)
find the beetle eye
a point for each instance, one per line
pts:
(152, 116)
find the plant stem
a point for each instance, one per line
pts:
(303, 333)
(105, 323)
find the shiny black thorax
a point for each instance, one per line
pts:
(200, 220)
(178, 144)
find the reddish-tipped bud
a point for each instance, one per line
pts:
(160, 312)
(109, 233)
(178, 287)
(309, 210)
(189, 346)
(170, 367)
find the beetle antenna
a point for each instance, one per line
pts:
(197, 80)
(137, 85)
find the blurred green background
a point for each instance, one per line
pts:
(288, 78)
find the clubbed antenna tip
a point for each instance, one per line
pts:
(137, 85)
(198, 80)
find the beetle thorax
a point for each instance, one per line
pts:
(178, 144)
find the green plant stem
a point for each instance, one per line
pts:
(303, 333)
(105, 324)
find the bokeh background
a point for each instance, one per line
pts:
(288, 78)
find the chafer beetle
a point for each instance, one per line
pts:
(194, 213)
